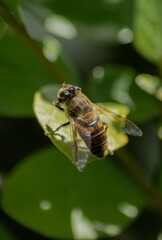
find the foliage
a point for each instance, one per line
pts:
(76, 197)
(113, 50)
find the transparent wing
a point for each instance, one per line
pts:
(119, 122)
(80, 149)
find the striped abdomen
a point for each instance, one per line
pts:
(97, 141)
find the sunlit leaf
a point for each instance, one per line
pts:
(148, 29)
(51, 117)
(60, 26)
(117, 83)
(51, 48)
(48, 195)
(150, 84)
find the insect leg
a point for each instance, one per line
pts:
(57, 105)
(62, 125)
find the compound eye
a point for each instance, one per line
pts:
(63, 96)
(71, 90)
(66, 93)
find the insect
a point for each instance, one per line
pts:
(85, 120)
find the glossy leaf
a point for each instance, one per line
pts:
(51, 117)
(48, 195)
(117, 83)
(148, 29)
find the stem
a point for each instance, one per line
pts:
(129, 161)
(53, 68)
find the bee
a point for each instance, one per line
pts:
(85, 120)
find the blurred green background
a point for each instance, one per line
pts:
(113, 50)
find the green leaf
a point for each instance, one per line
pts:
(117, 83)
(148, 29)
(51, 117)
(97, 20)
(22, 74)
(150, 84)
(46, 194)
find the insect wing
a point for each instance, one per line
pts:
(80, 151)
(119, 122)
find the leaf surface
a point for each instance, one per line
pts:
(48, 195)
